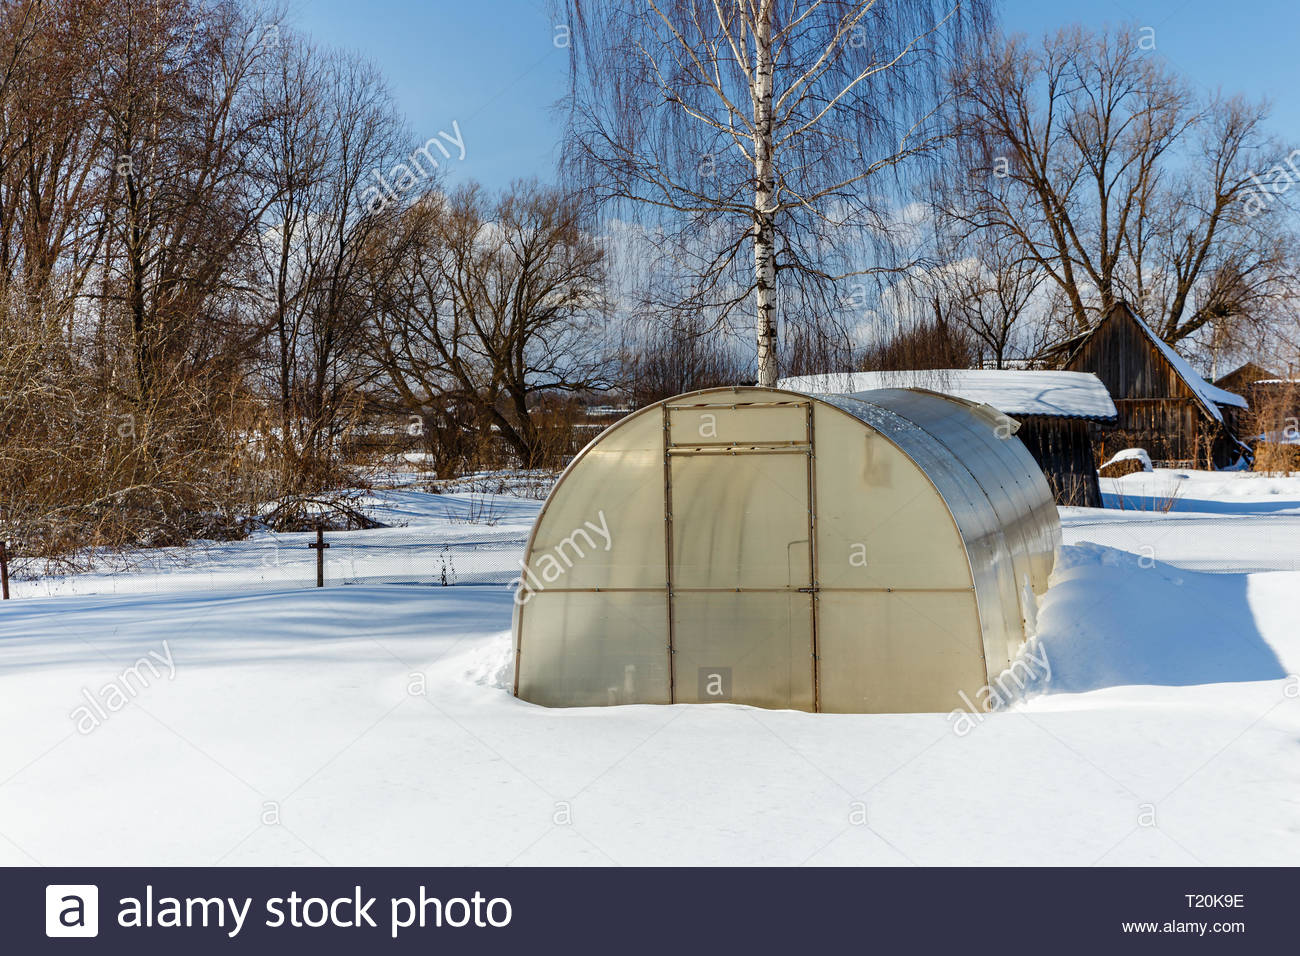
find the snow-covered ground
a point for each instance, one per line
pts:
(464, 537)
(1200, 520)
(371, 724)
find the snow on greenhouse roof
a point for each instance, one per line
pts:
(1058, 394)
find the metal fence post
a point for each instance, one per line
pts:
(4, 568)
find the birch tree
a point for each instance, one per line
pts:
(749, 136)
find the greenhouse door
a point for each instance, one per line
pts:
(739, 537)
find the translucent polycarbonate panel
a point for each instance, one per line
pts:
(740, 521)
(933, 500)
(898, 652)
(880, 521)
(998, 461)
(580, 649)
(745, 648)
(1008, 474)
(988, 554)
(1027, 522)
(736, 422)
(603, 525)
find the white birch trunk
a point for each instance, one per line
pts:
(764, 186)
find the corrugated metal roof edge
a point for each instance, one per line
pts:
(1103, 419)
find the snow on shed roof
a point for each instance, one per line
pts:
(1058, 394)
(1211, 396)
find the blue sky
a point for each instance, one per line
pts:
(494, 66)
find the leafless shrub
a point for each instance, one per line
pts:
(1162, 502)
(83, 471)
(330, 511)
(1275, 420)
(934, 343)
(661, 359)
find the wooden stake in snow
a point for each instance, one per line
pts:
(320, 546)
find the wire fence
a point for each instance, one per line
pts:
(443, 563)
(484, 555)
(1221, 544)
(269, 561)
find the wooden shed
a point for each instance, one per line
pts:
(1274, 403)
(1056, 412)
(1241, 379)
(1164, 405)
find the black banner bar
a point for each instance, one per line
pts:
(249, 910)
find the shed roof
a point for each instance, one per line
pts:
(1212, 395)
(1015, 392)
(1248, 374)
(1209, 396)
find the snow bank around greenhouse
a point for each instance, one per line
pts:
(1158, 624)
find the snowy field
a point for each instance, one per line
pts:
(370, 724)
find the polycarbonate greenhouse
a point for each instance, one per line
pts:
(875, 554)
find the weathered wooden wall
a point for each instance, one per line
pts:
(1174, 431)
(1157, 409)
(1064, 450)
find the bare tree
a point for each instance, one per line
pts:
(493, 304)
(173, 86)
(124, 207)
(658, 360)
(50, 142)
(987, 292)
(751, 136)
(136, 192)
(333, 131)
(1107, 174)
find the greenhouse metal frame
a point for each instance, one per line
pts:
(873, 554)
